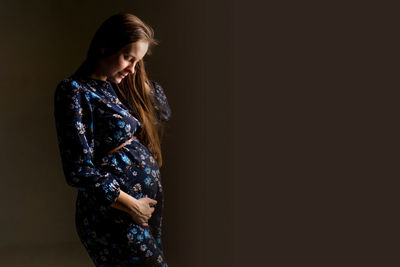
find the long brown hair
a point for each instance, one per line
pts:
(116, 32)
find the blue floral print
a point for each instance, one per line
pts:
(147, 181)
(90, 121)
(121, 124)
(126, 159)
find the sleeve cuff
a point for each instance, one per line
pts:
(109, 191)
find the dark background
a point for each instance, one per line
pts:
(280, 148)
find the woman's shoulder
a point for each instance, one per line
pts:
(69, 82)
(66, 86)
(158, 90)
(155, 84)
(162, 100)
(72, 84)
(70, 89)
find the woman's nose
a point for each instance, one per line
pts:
(131, 68)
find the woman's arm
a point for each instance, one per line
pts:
(162, 105)
(74, 125)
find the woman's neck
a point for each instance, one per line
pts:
(97, 73)
(97, 77)
(91, 70)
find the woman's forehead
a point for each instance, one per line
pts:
(136, 49)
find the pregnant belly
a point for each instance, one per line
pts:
(137, 174)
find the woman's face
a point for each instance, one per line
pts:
(123, 62)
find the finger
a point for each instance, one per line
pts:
(152, 201)
(152, 210)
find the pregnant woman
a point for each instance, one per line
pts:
(109, 119)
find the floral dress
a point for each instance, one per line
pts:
(91, 121)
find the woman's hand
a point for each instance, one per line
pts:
(141, 211)
(138, 209)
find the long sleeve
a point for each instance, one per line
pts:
(162, 106)
(74, 124)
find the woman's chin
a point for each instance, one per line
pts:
(116, 80)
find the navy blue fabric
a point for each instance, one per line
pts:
(90, 121)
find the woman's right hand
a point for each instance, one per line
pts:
(141, 211)
(138, 209)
